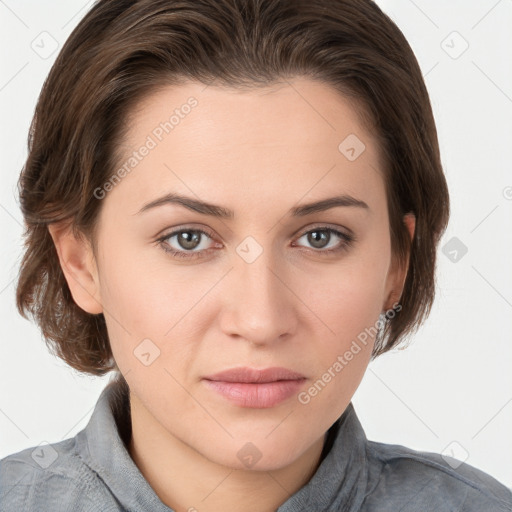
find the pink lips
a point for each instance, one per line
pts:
(249, 387)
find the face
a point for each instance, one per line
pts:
(187, 294)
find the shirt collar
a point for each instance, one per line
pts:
(339, 482)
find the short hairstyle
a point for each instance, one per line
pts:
(123, 50)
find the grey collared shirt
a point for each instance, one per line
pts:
(93, 471)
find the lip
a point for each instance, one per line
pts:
(253, 375)
(251, 387)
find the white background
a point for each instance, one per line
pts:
(453, 383)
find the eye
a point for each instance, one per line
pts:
(320, 238)
(190, 243)
(187, 241)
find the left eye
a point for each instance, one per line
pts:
(189, 241)
(319, 236)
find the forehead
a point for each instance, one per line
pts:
(287, 113)
(299, 139)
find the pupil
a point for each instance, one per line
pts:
(188, 241)
(316, 238)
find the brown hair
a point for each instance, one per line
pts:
(124, 49)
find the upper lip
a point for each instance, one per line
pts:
(246, 374)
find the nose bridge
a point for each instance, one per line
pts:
(259, 306)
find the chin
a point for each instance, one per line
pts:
(254, 456)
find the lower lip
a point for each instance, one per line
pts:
(263, 395)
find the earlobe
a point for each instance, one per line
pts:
(399, 274)
(78, 264)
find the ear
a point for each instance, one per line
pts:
(398, 273)
(78, 264)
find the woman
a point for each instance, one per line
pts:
(234, 206)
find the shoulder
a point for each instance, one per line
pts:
(408, 479)
(49, 477)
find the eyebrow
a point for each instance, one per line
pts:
(225, 213)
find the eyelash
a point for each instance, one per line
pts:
(347, 241)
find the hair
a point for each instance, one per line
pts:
(123, 50)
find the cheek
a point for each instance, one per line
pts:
(149, 299)
(348, 299)
(349, 296)
(349, 310)
(141, 291)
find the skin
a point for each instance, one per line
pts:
(258, 153)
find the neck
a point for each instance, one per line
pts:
(167, 463)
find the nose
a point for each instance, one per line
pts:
(259, 304)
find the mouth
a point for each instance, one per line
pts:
(249, 387)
